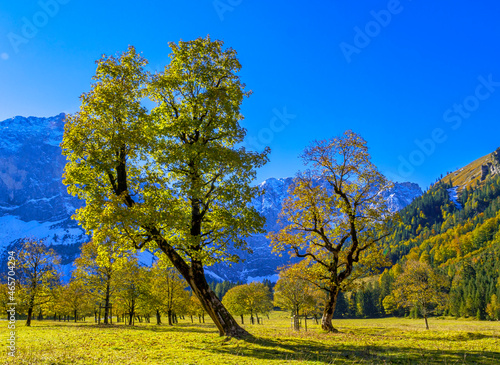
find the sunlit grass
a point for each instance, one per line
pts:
(370, 341)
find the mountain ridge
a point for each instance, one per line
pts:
(34, 202)
(475, 172)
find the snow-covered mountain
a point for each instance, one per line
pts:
(401, 195)
(33, 200)
(35, 203)
(263, 263)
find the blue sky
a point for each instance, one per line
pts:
(420, 81)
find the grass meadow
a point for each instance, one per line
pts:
(370, 341)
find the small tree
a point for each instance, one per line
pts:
(233, 300)
(493, 308)
(97, 267)
(132, 287)
(294, 293)
(334, 217)
(253, 298)
(419, 288)
(167, 289)
(195, 308)
(75, 297)
(38, 274)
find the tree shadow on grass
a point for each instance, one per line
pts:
(465, 336)
(315, 350)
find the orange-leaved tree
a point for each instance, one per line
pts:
(334, 217)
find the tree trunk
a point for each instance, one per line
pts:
(30, 309)
(30, 313)
(241, 315)
(193, 272)
(326, 320)
(426, 323)
(132, 312)
(195, 277)
(158, 317)
(106, 303)
(75, 316)
(169, 314)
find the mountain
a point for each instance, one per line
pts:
(476, 172)
(401, 195)
(455, 228)
(33, 200)
(262, 263)
(35, 203)
(462, 200)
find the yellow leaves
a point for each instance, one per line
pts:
(334, 215)
(248, 299)
(390, 304)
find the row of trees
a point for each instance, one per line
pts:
(137, 291)
(118, 282)
(471, 291)
(175, 179)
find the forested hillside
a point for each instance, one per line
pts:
(455, 230)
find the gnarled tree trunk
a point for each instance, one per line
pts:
(195, 277)
(326, 320)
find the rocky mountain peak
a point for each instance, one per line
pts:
(492, 167)
(34, 201)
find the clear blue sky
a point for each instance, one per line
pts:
(397, 72)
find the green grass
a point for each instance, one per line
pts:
(371, 341)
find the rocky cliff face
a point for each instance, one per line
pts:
(31, 166)
(401, 195)
(492, 167)
(33, 200)
(35, 203)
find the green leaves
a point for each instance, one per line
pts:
(419, 286)
(173, 174)
(250, 299)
